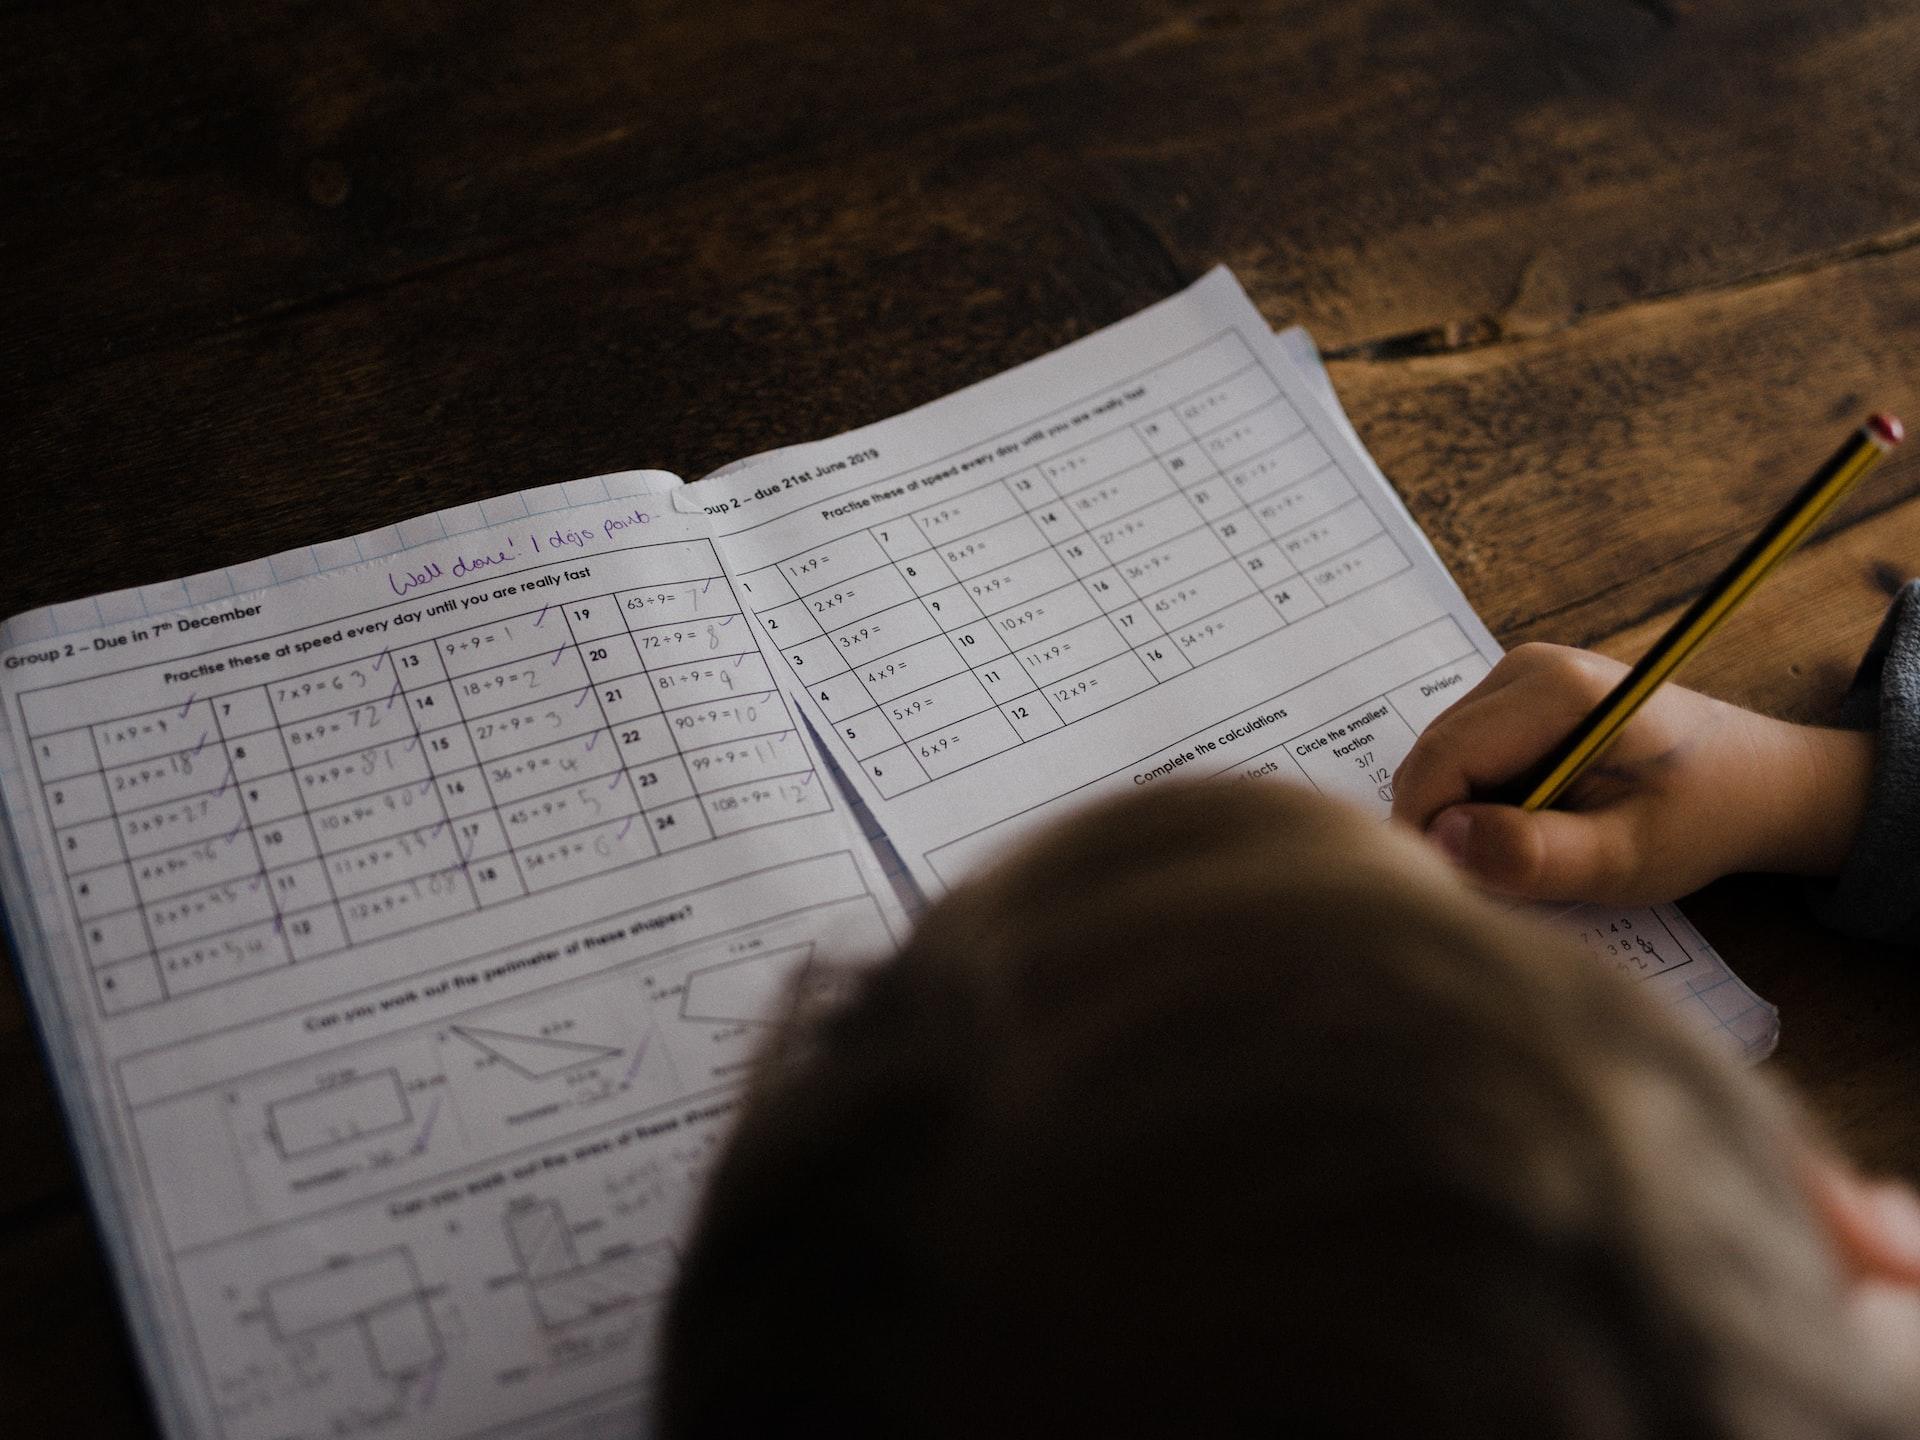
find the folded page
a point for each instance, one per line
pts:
(400, 934)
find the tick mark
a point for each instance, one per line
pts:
(189, 705)
(420, 1141)
(197, 745)
(541, 616)
(625, 826)
(558, 653)
(638, 1055)
(582, 700)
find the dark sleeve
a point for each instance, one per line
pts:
(1877, 893)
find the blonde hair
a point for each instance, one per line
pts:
(1222, 1110)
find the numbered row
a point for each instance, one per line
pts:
(1203, 620)
(884, 609)
(365, 882)
(1031, 598)
(319, 760)
(1228, 422)
(886, 712)
(341, 707)
(228, 931)
(697, 593)
(941, 752)
(353, 803)
(408, 829)
(1096, 483)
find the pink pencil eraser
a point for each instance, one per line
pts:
(1887, 429)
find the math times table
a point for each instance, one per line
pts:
(1001, 613)
(457, 768)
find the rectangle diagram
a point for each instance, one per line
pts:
(380, 1295)
(335, 1114)
(604, 1287)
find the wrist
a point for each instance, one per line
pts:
(1816, 794)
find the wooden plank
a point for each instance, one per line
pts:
(686, 343)
(206, 165)
(1582, 481)
(1576, 482)
(1418, 171)
(1792, 649)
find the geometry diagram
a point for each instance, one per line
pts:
(566, 1292)
(533, 1056)
(350, 1110)
(379, 1294)
(747, 991)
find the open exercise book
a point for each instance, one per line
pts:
(401, 913)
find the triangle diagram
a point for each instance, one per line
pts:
(534, 1056)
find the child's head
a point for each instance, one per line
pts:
(1224, 1110)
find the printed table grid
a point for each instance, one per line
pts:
(996, 615)
(1410, 703)
(268, 824)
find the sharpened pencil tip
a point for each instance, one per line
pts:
(1887, 429)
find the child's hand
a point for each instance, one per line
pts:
(1693, 789)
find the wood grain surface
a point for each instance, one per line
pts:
(1599, 281)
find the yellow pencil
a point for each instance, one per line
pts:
(1548, 780)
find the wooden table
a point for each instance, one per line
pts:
(1598, 280)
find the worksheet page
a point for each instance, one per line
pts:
(1151, 554)
(400, 934)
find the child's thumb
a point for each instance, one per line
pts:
(1538, 855)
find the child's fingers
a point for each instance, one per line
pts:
(1544, 855)
(1488, 738)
